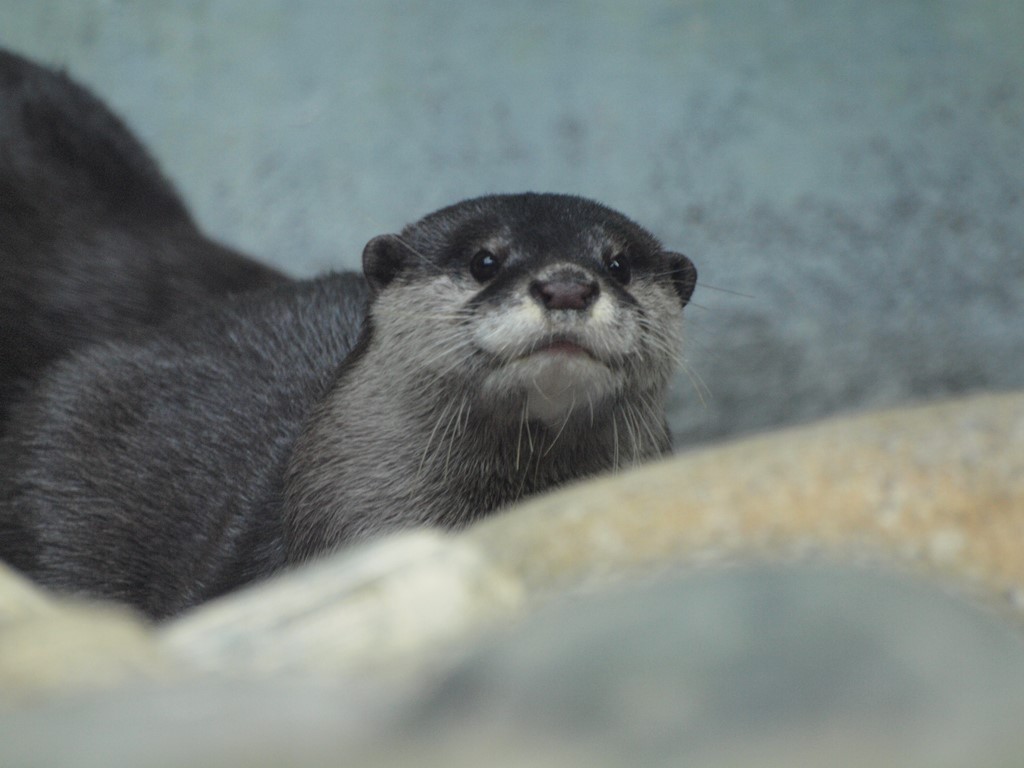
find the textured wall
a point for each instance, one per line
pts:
(852, 168)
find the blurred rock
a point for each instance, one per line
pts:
(384, 608)
(50, 646)
(19, 598)
(775, 667)
(768, 667)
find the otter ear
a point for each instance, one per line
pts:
(684, 275)
(384, 257)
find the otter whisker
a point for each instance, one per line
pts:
(699, 386)
(568, 415)
(430, 438)
(457, 427)
(628, 421)
(649, 417)
(615, 445)
(442, 350)
(730, 291)
(419, 255)
(539, 460)
(519, 439)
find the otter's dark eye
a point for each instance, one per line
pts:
(484, 265)
(618, 267)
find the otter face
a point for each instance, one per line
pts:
(549, 305)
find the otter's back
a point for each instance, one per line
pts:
(94, 242)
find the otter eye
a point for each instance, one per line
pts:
(618, 267)
(484, 265)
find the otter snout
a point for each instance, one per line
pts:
(566, 290)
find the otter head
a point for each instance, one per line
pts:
(547, 306)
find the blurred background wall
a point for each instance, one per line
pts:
(848, 175)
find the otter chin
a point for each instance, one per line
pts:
(563, 347)
(556, 381)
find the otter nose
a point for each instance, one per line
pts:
(565, 293)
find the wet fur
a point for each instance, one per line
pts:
(258, 430)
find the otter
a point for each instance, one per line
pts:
(94, 242)
(493, 349)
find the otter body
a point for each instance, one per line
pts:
(94, 242)
(491, 350)
(151, 471)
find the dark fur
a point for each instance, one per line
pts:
(94, 242)
(151, 471)
(258, 430)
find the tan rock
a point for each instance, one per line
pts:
(937, 486)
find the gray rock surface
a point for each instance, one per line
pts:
(852, 167)
(750, 667)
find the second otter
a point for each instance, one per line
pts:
(95, 243)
